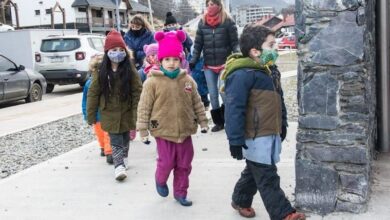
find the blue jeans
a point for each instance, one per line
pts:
(213, 83)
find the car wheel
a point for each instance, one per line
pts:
(49, 88)
(35, 93)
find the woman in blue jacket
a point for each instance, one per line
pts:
(139, 34)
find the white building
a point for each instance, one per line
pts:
(85, 15)
(250, 14)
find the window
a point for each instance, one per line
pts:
(48, 11)
(6, 65)
(82, 9)
(37, 12)
(96, 43)
(60, 45)
(97, 13)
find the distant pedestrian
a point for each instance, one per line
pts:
(139, 34)
(256, 121)
(101, 136)
(172, 25)
(217, 37)
(115, 90)
(171, 109)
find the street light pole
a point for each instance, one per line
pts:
(151, 14)
(118, 20)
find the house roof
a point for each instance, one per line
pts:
(137, 7)
(110, 4)
(276, 23)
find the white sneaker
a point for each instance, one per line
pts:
(120, 173)
(126, 162)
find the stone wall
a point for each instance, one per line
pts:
(337, 102)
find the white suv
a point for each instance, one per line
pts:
(65, 60)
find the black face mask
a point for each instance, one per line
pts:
(139, 32)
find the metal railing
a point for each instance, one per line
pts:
(99, 22)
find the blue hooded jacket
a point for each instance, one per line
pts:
(84, 101)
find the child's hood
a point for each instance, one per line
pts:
(238, 61)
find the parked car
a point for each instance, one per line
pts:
(287, 43)
(64, 60)
(17, 82)
(4, 27)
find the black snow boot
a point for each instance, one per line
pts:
(219, 122)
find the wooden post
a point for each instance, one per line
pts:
(52, 18)
(17, 15)
(3, 11)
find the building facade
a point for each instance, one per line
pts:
(250, 14)
(85, 15)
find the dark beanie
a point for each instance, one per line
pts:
(170, 19)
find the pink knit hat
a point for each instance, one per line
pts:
(170, 44)
(151, 49)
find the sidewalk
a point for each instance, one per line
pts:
(80, 185)
(16, 118)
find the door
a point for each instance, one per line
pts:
(16, 82)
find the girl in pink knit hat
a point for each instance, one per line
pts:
(171, 109)
(150, 62)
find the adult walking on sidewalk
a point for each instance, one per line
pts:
(256, 123)
(115, 91)
(217, 37)
(139, 34)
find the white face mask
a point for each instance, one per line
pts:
(116, 56)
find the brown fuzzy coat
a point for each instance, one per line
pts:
(170, 108)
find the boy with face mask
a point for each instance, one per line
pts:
(256, 122)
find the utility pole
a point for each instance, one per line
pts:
(118, 20)
(151, 14)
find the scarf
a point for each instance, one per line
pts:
(170, 74)
(238, 61)
(213, 16)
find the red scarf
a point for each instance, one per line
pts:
(213, 16)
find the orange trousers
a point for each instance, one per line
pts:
(103, 138)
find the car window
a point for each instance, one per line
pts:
(60, 45)
(96, 43)
(6, 65)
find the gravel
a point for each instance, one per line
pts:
(21, 150)
(289, 86)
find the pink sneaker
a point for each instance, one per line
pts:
(133, 134)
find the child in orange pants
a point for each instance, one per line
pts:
(101, 135)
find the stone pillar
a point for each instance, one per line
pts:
(337, 104)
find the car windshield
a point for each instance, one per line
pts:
(60, 45)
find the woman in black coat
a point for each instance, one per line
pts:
(217, 37)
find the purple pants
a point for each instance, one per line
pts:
(178, 157)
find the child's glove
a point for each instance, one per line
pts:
(144, 134)
(145, 140)
(192, 66)
(204, 130)
(236, 151)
